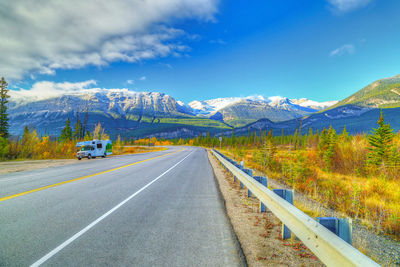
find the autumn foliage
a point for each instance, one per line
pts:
(334, 169)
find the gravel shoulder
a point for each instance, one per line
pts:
(258, 233)
(26, 165)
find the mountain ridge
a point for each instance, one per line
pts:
(134, 111)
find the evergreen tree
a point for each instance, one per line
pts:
(3, 108)
(328, 154)
(78, 134)
(265, 155)
(66, 133)
(345, 135)
(381, 143)
(323, 140)
(26, 133)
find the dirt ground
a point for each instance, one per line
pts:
(25, 165)
(259, 233)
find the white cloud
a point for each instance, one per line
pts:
(41, 37)
(130, 81)
(344, 6)
(344, 49)
(46, 89)
(143, 78)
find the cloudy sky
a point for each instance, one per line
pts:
(201, 49)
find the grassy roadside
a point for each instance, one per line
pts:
(373, 200)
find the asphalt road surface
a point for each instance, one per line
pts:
(153, 209)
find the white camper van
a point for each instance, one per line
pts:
(93, 149)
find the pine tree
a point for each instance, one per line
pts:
(328, 154)
(381, 143)
(345, 135)
(66, 133)
(78, 130)
(3, 108)
(266, 153)
(323, 140)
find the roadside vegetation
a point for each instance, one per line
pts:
(31, 145)
(357, 175)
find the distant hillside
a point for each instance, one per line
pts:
(356, 119)
(384, 93)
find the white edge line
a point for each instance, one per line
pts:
(87, 228)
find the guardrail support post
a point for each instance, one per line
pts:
(264, 181)
(341, 227)
(288, 196)
(249, 172)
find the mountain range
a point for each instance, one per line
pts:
(139, 114)
(144, 113)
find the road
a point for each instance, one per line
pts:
(154, 209)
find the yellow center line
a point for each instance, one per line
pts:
(83, 177)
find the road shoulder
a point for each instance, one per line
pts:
(28, 165)
(258, 233)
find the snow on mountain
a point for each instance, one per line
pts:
(304, 102)
(211, 106)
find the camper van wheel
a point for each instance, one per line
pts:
(89, 156)
(79, 158)
(104, 155)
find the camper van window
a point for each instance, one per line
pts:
(99, 145)
(86, 148)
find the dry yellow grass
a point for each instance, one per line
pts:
(373, 199)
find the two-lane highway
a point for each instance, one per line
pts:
(153, 209)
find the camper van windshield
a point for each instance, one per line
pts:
(86, 148)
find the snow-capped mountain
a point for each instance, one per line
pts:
(125, 109)
(304, 102)
(238, 111)
(213, 105)
(120, 108)
(210, 106)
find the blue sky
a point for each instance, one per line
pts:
(202, 49)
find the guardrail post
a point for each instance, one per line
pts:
(288, 196)
(264, 182)
(341, 227)
(249, 172)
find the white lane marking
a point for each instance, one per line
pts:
(87, 228)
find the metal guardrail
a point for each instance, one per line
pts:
(328, 247)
